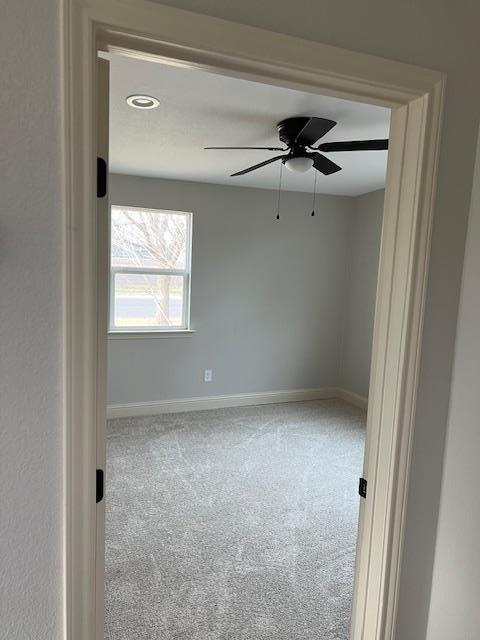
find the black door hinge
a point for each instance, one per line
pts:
(362, 487)
(101, 178)
(99, 489)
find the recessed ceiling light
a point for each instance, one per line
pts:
(142, 102)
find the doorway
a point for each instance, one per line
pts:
(226, 290)
(414, 138)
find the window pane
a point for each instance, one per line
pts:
(148, 300)
(148, 239)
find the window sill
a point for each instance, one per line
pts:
(127, 335)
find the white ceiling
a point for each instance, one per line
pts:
(199, 109)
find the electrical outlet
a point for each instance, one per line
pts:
(208, 375)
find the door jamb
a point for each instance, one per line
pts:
(416, 98)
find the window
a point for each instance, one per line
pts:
(149, 269)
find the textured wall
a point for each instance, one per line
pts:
(30, 324)
(454, 610)
(363, 252)
(267, 296)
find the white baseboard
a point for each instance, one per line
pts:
(352, 398)
(128, 410)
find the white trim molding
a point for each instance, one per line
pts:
(172, 36)
(150, 335)
(352, 398)
(127, 410)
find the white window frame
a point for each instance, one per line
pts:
(186, 273)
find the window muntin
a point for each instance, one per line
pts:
(149, 269)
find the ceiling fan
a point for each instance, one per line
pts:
(299, 135)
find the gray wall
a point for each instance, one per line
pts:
(275, 305)
(454, 609)
(31, 430)
(431, 33)
(363, 253)
(267, 297)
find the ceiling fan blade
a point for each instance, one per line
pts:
(324, 165)
(314, 129)
(257, 166)
(354, 145)
(262, 148)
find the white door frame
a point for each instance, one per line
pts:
(416, 98)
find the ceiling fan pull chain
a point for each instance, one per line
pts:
(279, 191)
(314, 192)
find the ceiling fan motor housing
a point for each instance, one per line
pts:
(288, 131)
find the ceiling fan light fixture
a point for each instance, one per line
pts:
(299, 135)
(138, 101)
(299, 164)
